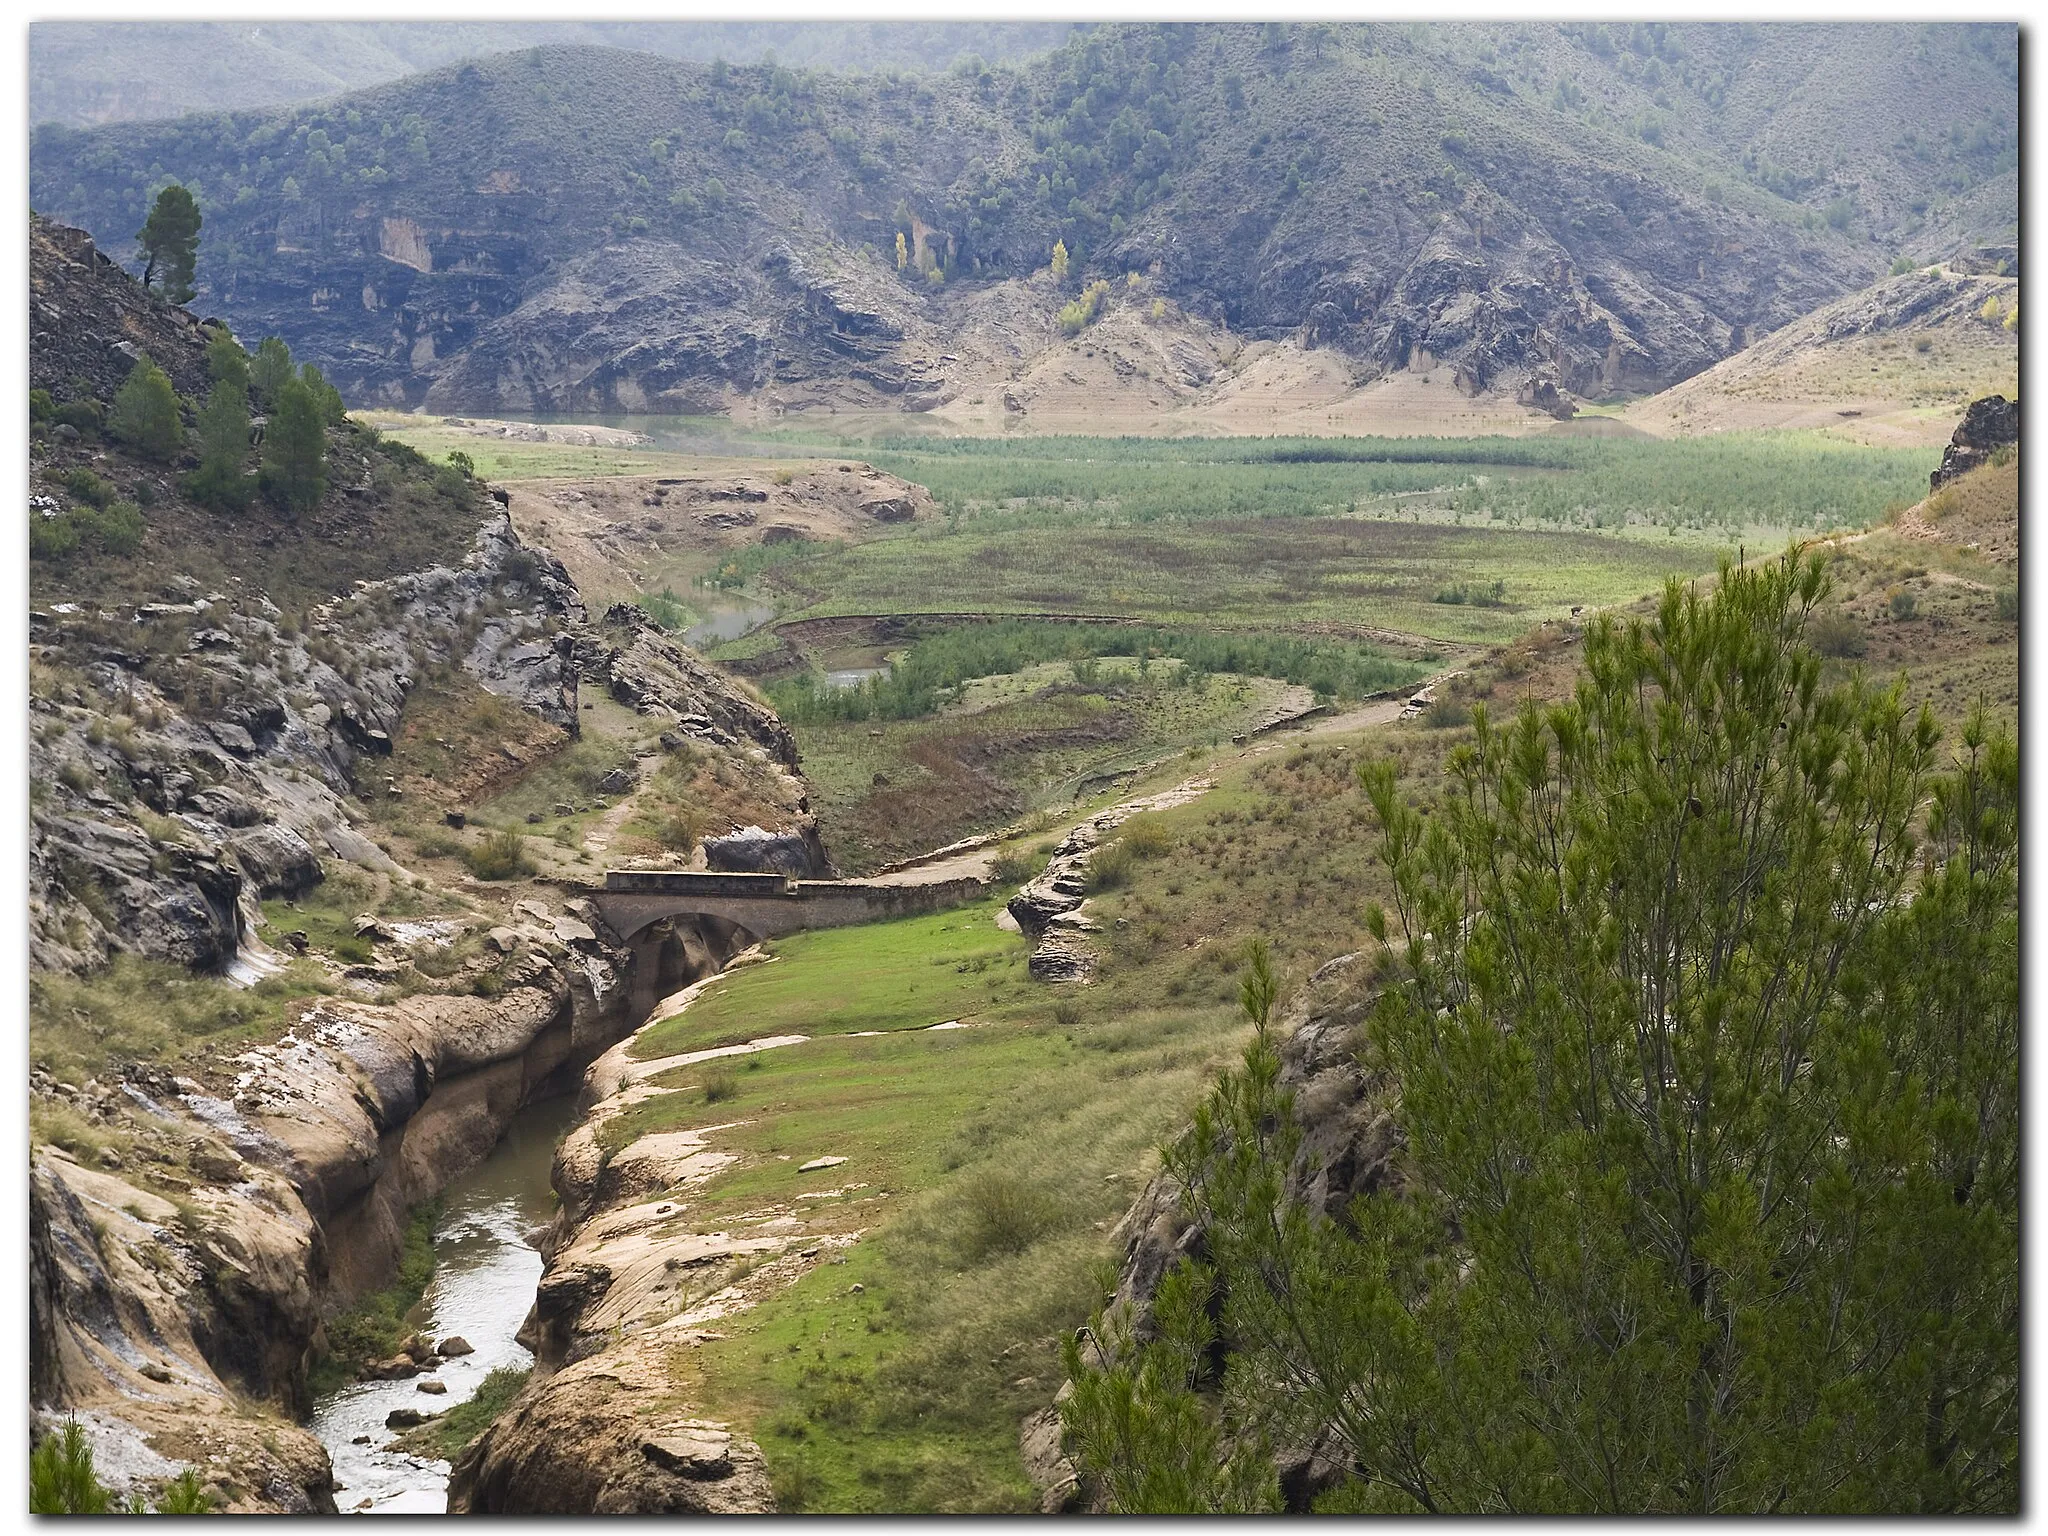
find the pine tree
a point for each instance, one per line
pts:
(220, 481)
(226, 362)
(145, 413)
(1700, 1024)
(332, 409)
(294, 471)
(61, 1480)
(170, 242)
(902, 252)
(273, 366)
(1059, 261)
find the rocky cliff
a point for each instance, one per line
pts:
(233, 1116)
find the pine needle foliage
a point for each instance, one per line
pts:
(1703, 1014)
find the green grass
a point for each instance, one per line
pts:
(145, 1010)
(1287, 575)
(986, 1166)
(897, 975)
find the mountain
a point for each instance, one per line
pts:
(577, 229)
(87, 72)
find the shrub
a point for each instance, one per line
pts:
(1836, 633)
(1146, 835)
(88, 487)
(1904, 604)
(1447, 714)
(501, 856)
(1923, 344)
(1109, 866)
(85, 415)
(2008, 605)
(719, 1085)
(1079, 315)
(61, 1480)
(1012, 867)
(1003, 1215)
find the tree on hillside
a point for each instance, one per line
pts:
(1059, 261)
(221, 481)
(145, 413)
(170, 242)
(226, 362)
(902, 252)
(294, 472)
(1701, 1019)
(271, 370)
(332, 409)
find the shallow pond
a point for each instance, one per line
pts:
(486, 1271)
(727, 624)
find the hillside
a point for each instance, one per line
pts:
(87, 72)
(579, 230)
(1889, 364)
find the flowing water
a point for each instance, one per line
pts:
(486, 1270)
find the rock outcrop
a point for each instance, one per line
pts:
(755, 850)
(1050, 907)
(642, 667)
(244, 741)
(599, 1441)
(1989, 425)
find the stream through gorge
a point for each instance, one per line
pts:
(486, 1268)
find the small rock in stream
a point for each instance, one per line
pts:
(455, 1344)
(430, 1387)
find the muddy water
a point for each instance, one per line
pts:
(728, 623)
(486, 1271)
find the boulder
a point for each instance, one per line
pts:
(405, 1418)
(692, 1450)
(455, 1344)
(1990, 424)
(889, 509)
(755, 850)
(431, 1387)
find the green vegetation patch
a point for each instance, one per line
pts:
(449, 1436)
(939, 663)
(1728, 480)
(376, 1325)
(898, 975)
(1272, 574)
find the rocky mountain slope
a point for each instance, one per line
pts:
(582, 230)
(85, 72)
(238, 1090)
(1893, 362)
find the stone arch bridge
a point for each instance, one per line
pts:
(763, 906)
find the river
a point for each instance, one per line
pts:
(484, 1279)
